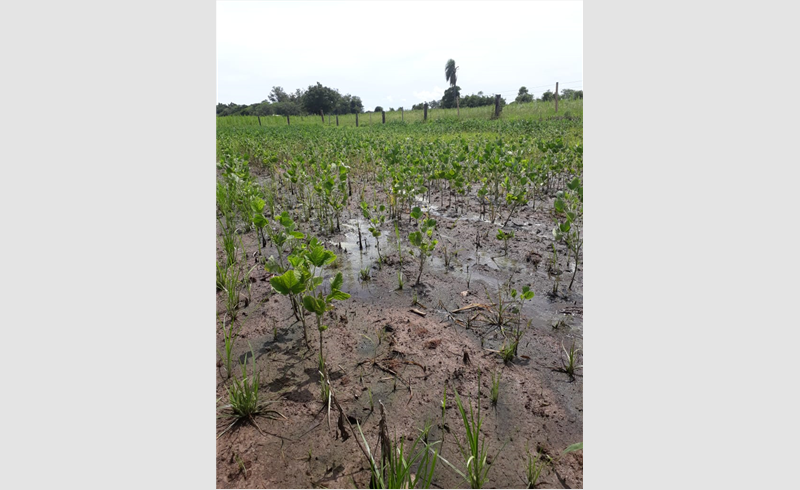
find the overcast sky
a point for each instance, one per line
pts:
(393, 54)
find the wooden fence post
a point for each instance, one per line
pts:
(337, 119)
(287, 120)
(556, 96)
(322, 115)
(259, 120)
(497, 105)
(425, 113)
(383, 117)
(356, 119)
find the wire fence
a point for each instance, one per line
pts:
(512, 110)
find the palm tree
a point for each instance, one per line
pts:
(450, 70)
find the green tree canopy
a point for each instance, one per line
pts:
(278, 95)
(523, 96)
(319, 98)
(449, 97)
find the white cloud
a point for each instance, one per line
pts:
(426, 95)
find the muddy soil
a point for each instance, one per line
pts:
(375, 333)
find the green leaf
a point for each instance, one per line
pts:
(312, 304)
(287, 283)
(285, 220)
(257, 205)
(320, 257)
(576, 182)
(336, 284)
(416, 213)
(272, 265)
(574, 447)
(259, 220)
(337, 295)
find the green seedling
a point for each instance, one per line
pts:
(473, 450)
(518, 332)
(222, 272)
(228, 243)
(325, 394)
(241, 465)
(505, 237)
(232, 291)
(283, 236)
(400, 467)
(423, 238)
(569, 216)
(517, 192)
(533, 469)
(259, 221)
(500, 315)
(320, 303)
(230, 336)
(244, 403)
(364, 274)
(495, 393)
(572, 355)
(292, 283)
(375, 221)
(425, 430)
(508, 351)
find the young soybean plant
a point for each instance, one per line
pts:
(375, 221)
(502, 235)
(569, 209)
(319, 303)
(282, 237)
(423, 238)
(292, 283)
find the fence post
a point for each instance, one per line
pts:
(337, 118)
(497, 106)
(401, 116)
(556, 96)
(322, 115)
(425, 113)
(287, 120)
(383, 117)
(259, 120)
(356, 119)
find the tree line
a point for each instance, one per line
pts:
(548, 96)
(301, 102)
(328, 100)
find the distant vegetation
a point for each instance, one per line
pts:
(318, 98)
